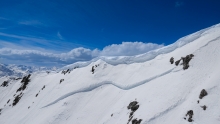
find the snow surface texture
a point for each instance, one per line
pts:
(165, 92)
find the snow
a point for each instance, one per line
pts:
(164, 92)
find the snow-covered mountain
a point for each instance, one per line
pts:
(143, 89)
(20, 70)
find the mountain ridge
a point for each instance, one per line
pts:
(157, 91)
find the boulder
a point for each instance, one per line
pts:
(203, 93)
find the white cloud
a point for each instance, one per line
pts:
(128, 48)
(38, 58)
(59, 35)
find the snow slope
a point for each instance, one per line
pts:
(165, 92)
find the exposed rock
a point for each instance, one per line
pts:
(190, 114)
(132, 104)
(43, 87)
(135, 121)
(171, 60)
(186, 61)
(8, 101)
(198, 101)
(36, 95)
(93, 70)
(131, 114)
(24, 82)
(177, 62)
(76, 67)
(130, 119)
(190, 119)
(111, 115)
(203, 93)
(61, 80)
(67, 71)
(5, 84)
(134, 108)
(204, 107)
(16, 100)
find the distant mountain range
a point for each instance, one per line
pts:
(20, 70)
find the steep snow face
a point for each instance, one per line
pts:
(100, 91)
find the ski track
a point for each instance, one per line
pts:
(122, 87)
(165, 111)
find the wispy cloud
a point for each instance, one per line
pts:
(39, 58)
(2, 18)
(179, 3)
(31, 23)
(59, 35)
(30, 42)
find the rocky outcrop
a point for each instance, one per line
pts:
(61, 80)
(133, 106)
(171, 60)
(204, 107)
(190, 114)
(5, 84)
(24, 82)
(17, 99)
(203, 93)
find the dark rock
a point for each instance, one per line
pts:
(5, 84)
(171, 60)
(132, 104)
(186, 61)
(135, 121)
(190, 119)
(131, 114)
(43, 87)
(130, 119)
(190, 113)
(93, 70)
(24, 82)
(28, 107)
(191, 55)
(76, 67)
(203, 93)
(64, 72)
(16, 100)
(177, 62)
(198, 101)
(134, 108)
(17, 78)
(8, 101)
(36, 95)
(61, 80)
(204, 107)
(111, 115)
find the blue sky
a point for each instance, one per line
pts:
(38, 32)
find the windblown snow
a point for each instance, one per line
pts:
(100, 91)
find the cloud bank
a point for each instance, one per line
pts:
(38, 58)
